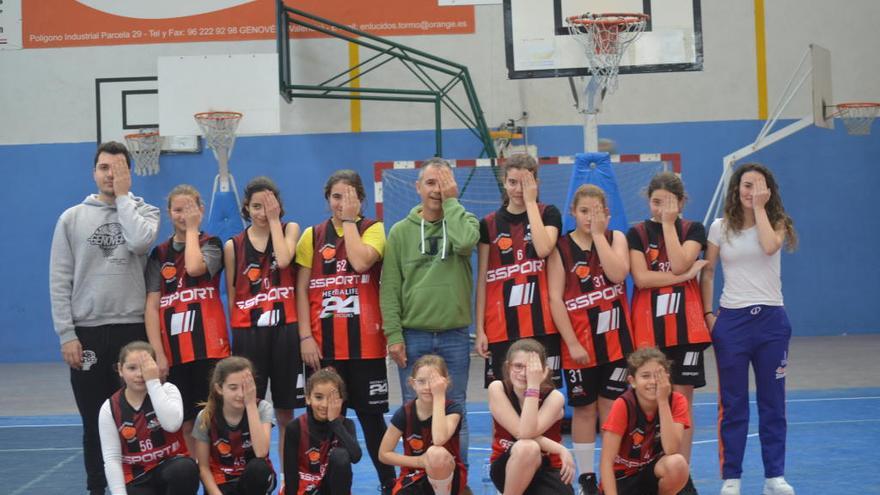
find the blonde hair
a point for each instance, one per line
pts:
(135, 346)
(639, 357)
(187, 190)
(588, 191)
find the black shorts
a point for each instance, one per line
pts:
(493, 367)
(193, 379)
(688, 367)
(546, 480)
(181, 472)
(421, 486)
(274, 351)
(644, 482)
(586, 385)
(366, 382)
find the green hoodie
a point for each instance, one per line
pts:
(427, 280)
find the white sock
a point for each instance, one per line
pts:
(441, 487)
(583, 454)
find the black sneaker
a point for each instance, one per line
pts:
(689, 488)
(587, 481)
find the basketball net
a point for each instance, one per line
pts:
(219, 131)
(605, 38)
(145, 148)
(858, 117)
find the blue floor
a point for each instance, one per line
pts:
(832, 441)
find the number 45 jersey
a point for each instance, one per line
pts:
(343, 304)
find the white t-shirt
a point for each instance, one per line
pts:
(750, 276)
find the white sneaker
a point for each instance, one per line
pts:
(730, 487)
(777, 486)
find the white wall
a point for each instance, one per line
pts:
(48, 94)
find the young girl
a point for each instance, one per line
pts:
(644, 433)
(587, 278)
(429, 426)
(512, 297)
(184, 316)
(667, 310)
(233, 433)
(527, 452)
(751, 324)
(262, 305)
(144, 450)
(337, 286)
(321, 445)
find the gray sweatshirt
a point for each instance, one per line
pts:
(96, 267)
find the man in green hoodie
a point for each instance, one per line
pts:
(427, 283)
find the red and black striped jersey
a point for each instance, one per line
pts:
(417, 438)
(517, 301)
(640, 445)
(666, 316)
(502, 440)
(597, 308)
(314, 456)
(143, 443)
(343, 304)
(231, 448)
(264, 292)
(191, 316)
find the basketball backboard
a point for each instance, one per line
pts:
(538, 43)
(822, 95)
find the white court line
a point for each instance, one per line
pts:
(38, 479)
(44, 449)
(822, 399)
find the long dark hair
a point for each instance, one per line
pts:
(257, 184)
(222, 370)
(733, 209)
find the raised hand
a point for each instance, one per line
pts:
(664, 386)
(334, 405)
(534, 371)
(270, 205)
(598, 221)
(149, 368)
(249, 388)
(351, 205)
(529, 187)
(162, 363)
(669, 210)
(448, 187)
(192, 214)
(121, 175)
(438, 384)
(760, 194)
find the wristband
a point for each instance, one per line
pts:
(303, 339)
(532, 392)
(349, 220)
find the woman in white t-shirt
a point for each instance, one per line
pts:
(750, 325)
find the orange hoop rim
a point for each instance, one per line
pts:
(217, 115)
(141, 135)
(857, 104)
(608, 19)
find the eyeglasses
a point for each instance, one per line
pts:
(421, 382)
(518, 367)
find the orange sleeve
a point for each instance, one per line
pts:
(680, 410)
(617, 418)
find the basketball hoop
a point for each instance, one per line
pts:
(145, 148)
(219, 130)
(605, 38)
(858, 117)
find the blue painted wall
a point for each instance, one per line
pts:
(827, 177)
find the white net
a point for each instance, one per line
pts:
(605, 38)
(219, 131)
(480, 194)
(145, 148)
(858, 117)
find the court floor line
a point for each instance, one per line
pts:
(43, 449)
(817, 399)
(40, 478)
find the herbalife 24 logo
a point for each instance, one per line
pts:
(107, 237)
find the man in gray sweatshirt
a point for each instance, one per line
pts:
(96, 284)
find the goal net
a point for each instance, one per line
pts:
(480, 189)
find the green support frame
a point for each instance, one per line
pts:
(418, 62)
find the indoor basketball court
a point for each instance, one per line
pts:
(598, 91)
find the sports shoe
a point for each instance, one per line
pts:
(777, 486)
(587, 481)
(689, 488)
(730, 487)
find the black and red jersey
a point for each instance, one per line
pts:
(597, 308)
(314, 456)
(517, 301)
(143, 443)
(264, 292)
(231, 448)
(641, 444)
(417, 438)
(191, 316)
(502, 440)
(343, 304)
(667, 316)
